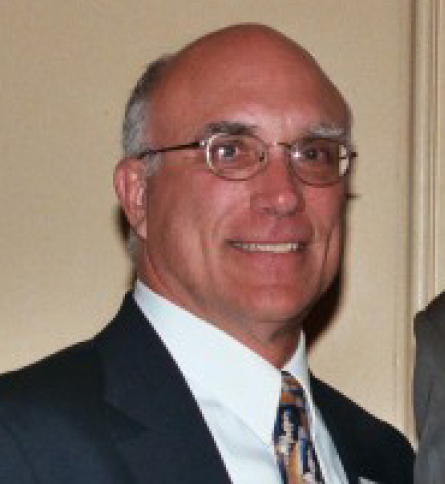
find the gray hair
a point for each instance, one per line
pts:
(134, 128)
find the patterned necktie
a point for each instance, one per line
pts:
(294, 449)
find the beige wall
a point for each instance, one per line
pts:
(66, 70)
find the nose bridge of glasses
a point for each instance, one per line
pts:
(280, 149)
(278, 156)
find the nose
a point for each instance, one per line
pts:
(278, 191)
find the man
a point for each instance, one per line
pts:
(429, 393)
(234, 183)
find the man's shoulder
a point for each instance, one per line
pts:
(375, 448)
(54, 420)
(55, 400)
(437, 305)
(333, 403)
(72, 373)
(434, 312)
(69, 373)
(429, 329)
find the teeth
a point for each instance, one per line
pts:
(274, 248)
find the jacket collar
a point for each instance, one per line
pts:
(153, 417)
(325, 399)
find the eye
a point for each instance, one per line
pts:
(233, 151)
(226, 151)
(235, 156)
(320, 151)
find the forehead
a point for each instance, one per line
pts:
(254, 76)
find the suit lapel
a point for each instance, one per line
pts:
(153, 417)
(335, 424)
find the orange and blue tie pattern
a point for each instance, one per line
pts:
(294, 449)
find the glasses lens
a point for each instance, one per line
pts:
(321, 161)
(235, 157)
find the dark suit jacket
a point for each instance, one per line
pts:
(429, 393)
(116, 410)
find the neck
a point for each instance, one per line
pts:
(277, 349)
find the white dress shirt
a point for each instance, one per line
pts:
(237, 392)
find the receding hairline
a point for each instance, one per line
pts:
(247, 35)
(236, 43)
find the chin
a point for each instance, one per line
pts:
(276, 308)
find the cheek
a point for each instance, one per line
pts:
(325, 207)
(174, 259)
(333, 258)
(172, 233)
(185, 219)
(334, 231)
(326, 211)
(334, 248)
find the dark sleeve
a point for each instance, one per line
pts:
(424, 369)
(429, 392)
(14, 468)
(41, 407)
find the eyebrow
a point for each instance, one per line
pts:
(229, 127)
(319, 130)
(327, 130)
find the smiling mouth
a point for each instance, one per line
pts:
(277, 248)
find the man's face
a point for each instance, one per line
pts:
(248, 256)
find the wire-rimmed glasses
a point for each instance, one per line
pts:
(316, 161)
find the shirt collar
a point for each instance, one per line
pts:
(298, 368)
(218, 369)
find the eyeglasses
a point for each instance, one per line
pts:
(316, 161)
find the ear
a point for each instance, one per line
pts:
(130, 187)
